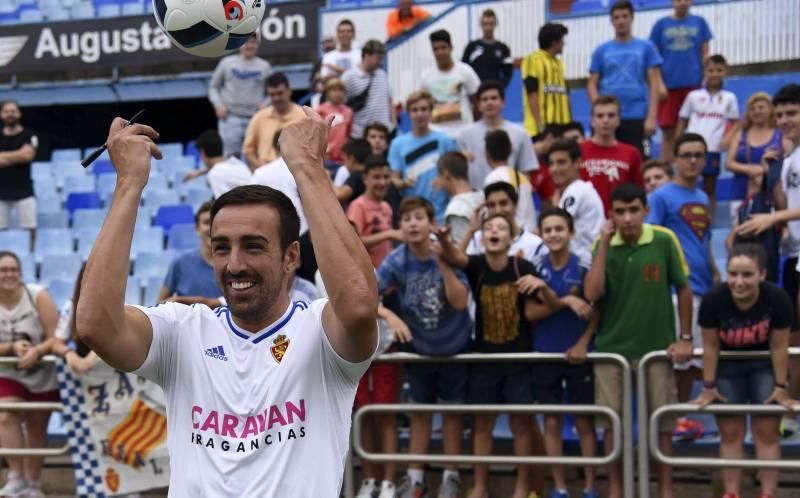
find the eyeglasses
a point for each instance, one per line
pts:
(692, 155)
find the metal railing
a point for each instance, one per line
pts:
(648, 432)
(623, 439)
(14, 406)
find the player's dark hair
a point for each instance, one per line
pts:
(455, 163)
(789, 94)
(380, 127)
(277, 79)
(491, 85)
(686, 138)
(664, 166)
(571, 148)
(347, 22)
(489, 13)
(411, 203)
(509, 190)
(562, 213)
(717, 59)
(551, 33)
(498, 145)
(749, 250)
(374, 161)
(204, 208)
(373, 47)
(289, 229)
(621, 5)
(357, 148)
(572, 125)
(441, 35)
(210, 143)
(628, 192)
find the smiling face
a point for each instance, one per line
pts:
(420, 113)
(250, 267)
(715, 74)
(9, 274)
(788, 120)
(759, 112)
(744, 276)
(556, 233)
(416, 226)
(563, 169)
(376, 181)
(496, 235)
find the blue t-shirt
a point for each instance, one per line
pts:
(622, 67)
(561, 330)
(413, 156)
(438, 328)
(679, 41)
(190, 275)
(688, 214)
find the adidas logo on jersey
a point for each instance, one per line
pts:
(217, 353)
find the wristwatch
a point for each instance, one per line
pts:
(685, 337)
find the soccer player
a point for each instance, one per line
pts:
(263, 386)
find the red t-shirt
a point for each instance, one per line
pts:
(372, 217)
(340, 130)
(607, 167)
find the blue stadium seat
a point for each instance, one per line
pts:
(61, 291)
(148, 265)
(82, 11)
(104, 156)
(83, 200)
(133, 292)
(183, 237)
(88, 218)
(155, 198)
(48, 203)
(199, 184)
(718, 236)
(196, 197)
(102, 167)
(85, 238)
(143, 219)
(109, 10)
(105, 187)
(57, 219)
(147, 239)
(66, 155)
(41, 169)
(152, 289)
(53, 241)
(31, 16)
(59, 267)
(83, 183)
(166, 216)
(44, 185)
(191, 151)
(171, 150)
(158, 181)
(27, 264)
(16, 241)
(176, 168)
(132, 9)
(63, 170)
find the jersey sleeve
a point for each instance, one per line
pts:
(708, 315)
(447, 144)
(159, 365)
(344, 373)
(526, 161)
(655, 34)
(686, 107)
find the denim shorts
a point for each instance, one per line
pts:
(745, 381)
(437, 382)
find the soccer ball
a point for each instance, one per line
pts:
(209, 28)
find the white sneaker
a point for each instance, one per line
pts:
(388, 490)
(368, 489)
(34, 492)
(14, 487)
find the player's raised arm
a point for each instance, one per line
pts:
(350, 318)
(119, 335)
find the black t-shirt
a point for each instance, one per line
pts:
(500, 324)
(15, 181)
(750, 329)
(490, 60)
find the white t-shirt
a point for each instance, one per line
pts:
(341, 176)
(709, 114)
(527, 245)
(246, 413)
(581, 200)
(790, 182)
(458, 213)
(526, 209)
(344, 60)
(227, 175)
(451, 91)
(276, 174)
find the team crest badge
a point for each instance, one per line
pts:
(279, 347)
(112, 479)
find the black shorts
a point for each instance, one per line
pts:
(791, 284)
(500, 383)
(553, 380)
(631, 131)
(437, 382)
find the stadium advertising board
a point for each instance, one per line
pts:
(578, 8)
(287, 28)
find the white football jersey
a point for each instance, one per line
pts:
(708, 114)
(581, 200)
(252, 415)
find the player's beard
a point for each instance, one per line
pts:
(254, 308)
(10, 122)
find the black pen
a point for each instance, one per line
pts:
(98, 151)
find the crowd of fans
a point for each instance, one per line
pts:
(617, 258)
